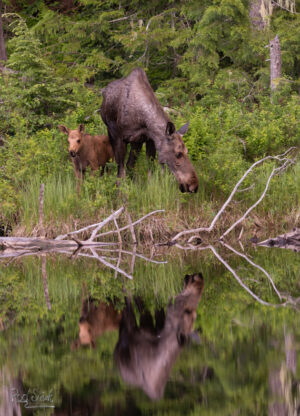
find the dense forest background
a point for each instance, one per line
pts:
(208, 63)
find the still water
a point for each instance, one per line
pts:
(78, 339)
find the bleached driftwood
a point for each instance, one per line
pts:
(74, 245)
(284, 163)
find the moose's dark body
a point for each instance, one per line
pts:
(145, 355)
(133, 115)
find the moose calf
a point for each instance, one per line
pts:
(86, 150)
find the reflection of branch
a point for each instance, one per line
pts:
(120, 242)
(255, 265)
(44, 273)
(280, 158)
(134, 254)
(134, 240)
(238, 279)
(289, 299)
(111, 266)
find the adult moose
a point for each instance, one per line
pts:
(146, 354)
(133, 115)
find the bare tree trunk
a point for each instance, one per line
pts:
(275, 62)
(3, 56)
(256, 14)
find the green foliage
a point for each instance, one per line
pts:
(32, 83)
(206, 64)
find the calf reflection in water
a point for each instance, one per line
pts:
(146, 354)
(95, 319)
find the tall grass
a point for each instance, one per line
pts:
(143, 192)
(60, 200)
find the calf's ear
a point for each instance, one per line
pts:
(63, 129)
(184, 128)
(81, 128)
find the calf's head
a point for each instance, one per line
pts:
(75, 138)
(175, 154)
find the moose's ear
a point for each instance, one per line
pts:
(170, 129)
(81, 128)
(63, 129)
(184, 129)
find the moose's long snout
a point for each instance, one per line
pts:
(72, 153)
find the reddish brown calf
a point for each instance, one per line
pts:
(86, 150)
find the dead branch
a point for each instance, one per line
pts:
(41, 211)
(280, 158)
(16, 247)
(122, 18)
(274, 171)
(134, 240)
(96, 226)
(130, 225)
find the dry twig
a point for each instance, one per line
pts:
(280, 158)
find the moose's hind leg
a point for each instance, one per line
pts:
(133, 155)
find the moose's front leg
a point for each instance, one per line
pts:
(79, 173)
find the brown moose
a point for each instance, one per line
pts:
(144, 355)
(87, 150)
(133, 115)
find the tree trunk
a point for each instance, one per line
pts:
(255, 13)
(3, 56)
(275, 62)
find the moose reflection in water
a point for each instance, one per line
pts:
(144, 354)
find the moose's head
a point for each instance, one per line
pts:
(174, 153)
(75, 138)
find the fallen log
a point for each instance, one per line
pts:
(71, 244)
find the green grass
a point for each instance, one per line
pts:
(142, 193)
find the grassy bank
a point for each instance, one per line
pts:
(65, 210)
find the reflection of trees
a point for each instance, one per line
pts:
(284, 388)
(9, 407)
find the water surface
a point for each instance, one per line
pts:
(240, 358)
